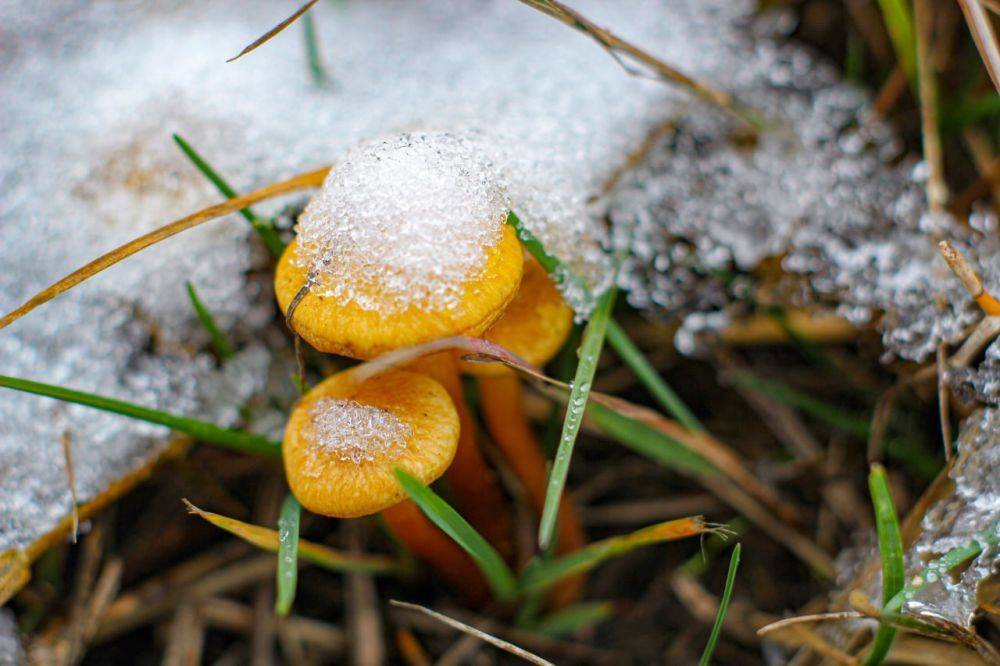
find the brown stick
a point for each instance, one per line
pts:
(617, 46)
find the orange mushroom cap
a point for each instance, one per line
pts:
(344, 439)
(534, 326)
(345, 328)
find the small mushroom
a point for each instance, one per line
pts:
(344, 439)
(336, 326)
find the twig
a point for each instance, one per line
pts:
(808, 619)
(364, 620)
(981, 27)
(472, 631)
(618, 47)
(944, 400)
(293, 184)
(987, 165)
(960, 266)
(274, 31)
(937, 190)
(186, 639)
(67, 447)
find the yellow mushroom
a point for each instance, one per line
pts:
(344, 439)
(534, 326)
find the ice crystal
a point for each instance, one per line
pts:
(357, 433)
(405, 221)
(957, 519)
(819, 188)
(11, 651)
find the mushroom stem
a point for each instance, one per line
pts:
(430, 544)
(502, 409)
(473, 483)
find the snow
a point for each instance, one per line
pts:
(356, 433)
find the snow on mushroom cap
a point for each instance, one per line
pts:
(403, 221)
(357, 433)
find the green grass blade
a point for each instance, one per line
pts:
(220, 342)
(498, 574)
(569, 620)
(543, 574)
(590, 351)
(288, 555)
(890, 545)
(727, 593)
(237, 440)
(808, 404)
(268, 234)
(559, 273)
(650, 378)
(316, 69)
(649, 441)
(899, 23)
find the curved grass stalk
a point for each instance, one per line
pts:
(293, 184)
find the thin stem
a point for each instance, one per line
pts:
(590, 351)
(268, 234)
(237, 440)
(223, 347)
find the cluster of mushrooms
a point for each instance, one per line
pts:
(345, 438)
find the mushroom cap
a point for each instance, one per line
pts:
(345, 328)
(534, 326)
(400, 419)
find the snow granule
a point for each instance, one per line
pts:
(357, 433)
(404, 221)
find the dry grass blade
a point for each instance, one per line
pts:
(937, 190)
(981, 28)
(617, 47)
(293, 184)
(964, 271)
(472, 631)
(67, 448)
(807, 619)
(275, 30)
(268, 539)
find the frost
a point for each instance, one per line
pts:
(957, 519)
(357, 433)
(401, 222)
(11, 651)
(819, 189)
